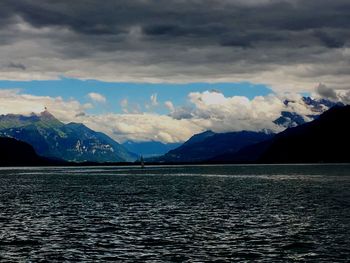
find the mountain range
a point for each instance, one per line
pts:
(41, 139)
(149, 148)
(56, 140)
(325, 139)
(290, 119)
(206, 145)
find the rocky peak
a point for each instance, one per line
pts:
(47, 115)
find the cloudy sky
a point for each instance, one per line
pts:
(166, 69)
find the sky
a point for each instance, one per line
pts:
(166, 69)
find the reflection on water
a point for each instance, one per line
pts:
(176, 214)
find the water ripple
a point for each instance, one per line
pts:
(176, 214)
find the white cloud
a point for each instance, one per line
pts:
(124, 104)
(169, 105)
(323, 91)
(211, 110)
(96, 97)
(142, 127)
(237, 112)
(12, 101)
(345, 97)
(154, 99)
(207, 98)
(153, 102)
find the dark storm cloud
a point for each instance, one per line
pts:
(212, 39)
(251, 38)
(326, 92)
(17, 66)
(330, 41)
(173, 30)
(176, 18)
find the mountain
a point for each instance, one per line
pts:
(208, 144)
(54, 139)
(149, 148)
(17, 153)
(292, 119)
(325, 139)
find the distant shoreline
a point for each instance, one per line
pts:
(126, 164)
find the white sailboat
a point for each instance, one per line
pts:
(142, 162)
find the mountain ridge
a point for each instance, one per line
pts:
(54, 139)
(322, 140)
(286, 119)
(149, 149)
(202, 146)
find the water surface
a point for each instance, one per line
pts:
(286, 213)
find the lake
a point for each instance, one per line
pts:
(268, 213)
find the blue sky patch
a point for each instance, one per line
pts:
(137, 94)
